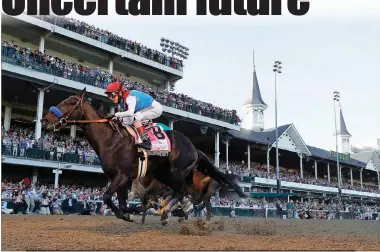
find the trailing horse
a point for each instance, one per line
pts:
(201, 188)
(121, 161)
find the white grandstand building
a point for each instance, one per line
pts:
(30, 87)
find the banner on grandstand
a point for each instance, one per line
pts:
(341, 156)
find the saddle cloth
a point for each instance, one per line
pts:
(158, 137)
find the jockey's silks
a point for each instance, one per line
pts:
(143, 100)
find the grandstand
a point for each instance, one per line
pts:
(44, 60)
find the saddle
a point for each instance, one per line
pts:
(161, 145)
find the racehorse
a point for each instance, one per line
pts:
(121, 161)
(201, 189)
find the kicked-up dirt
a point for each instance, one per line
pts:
(36, 232)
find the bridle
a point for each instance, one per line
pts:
(63, 116)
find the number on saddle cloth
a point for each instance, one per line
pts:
(157, 135)
(159, 139)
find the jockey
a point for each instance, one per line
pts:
(137, 104)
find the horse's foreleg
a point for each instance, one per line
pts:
(117, 183)
(122, 198)
(148, 193)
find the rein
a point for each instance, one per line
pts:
(63, 119)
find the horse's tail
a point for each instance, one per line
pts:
(206, 167)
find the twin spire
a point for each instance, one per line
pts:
(255, 95)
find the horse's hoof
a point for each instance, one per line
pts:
(165, 222)
(127, 217)
(164, 216)
(180, 219)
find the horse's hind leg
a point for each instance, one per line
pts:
(118, 183)
(211, 189)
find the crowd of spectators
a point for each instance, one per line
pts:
(45, 199)
(241, 169)
(302, 209)
(308, 178)
(112, 39)
(36, 60)
(17, 140)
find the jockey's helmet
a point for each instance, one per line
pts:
(113, 91)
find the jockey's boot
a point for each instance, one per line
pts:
(146, 144)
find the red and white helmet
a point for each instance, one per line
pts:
(114, 87)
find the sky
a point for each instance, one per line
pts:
(335, 46)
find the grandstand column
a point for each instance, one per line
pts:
(301, 165)
(40, 109)
(268, 159)
(167, 85)
(171, 124)
(328, 172)
(315, 169)
(352, 178)
(34, 177)
(42, 44)
(378, 179)
(73, 131)
(7, 117)
(227, 154)
(361, 178)
(249, 157)
(56, 179)
(217, 149)
(110, 66)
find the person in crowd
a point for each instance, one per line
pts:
(56, 207)
(137, 104)
(45, 204)
(4, 208)
(18, 204)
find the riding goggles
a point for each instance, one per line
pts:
(112, 95)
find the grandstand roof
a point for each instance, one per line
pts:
(268, 137)
(367, 156)
(255, 96)
(324, 154)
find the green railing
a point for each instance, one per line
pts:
(100, 80)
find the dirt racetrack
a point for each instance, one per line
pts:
(32, 232)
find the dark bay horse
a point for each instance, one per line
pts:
(118, 156)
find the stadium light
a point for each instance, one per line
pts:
(337, 100)
(277, 69)
(174, 49)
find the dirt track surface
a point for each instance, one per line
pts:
(28, 232)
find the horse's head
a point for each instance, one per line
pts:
(69, 109)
